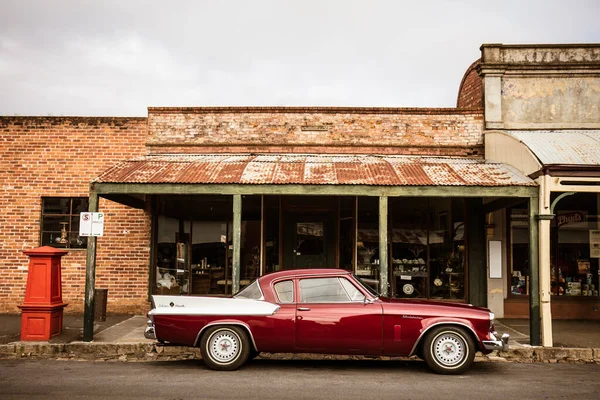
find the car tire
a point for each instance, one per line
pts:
(225, 348)
(448, 350)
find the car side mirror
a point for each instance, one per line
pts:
(368, 301)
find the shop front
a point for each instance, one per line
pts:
(426, 241)
(565, 164)
(417, 238)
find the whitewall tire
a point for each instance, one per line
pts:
(449, 350)
(225, 348)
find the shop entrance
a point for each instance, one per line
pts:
(308, 241)
(309, 232)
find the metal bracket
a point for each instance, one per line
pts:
(558, 199)
(545, 217)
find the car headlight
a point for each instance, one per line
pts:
(491, 321)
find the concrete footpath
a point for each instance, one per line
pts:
(121, 338)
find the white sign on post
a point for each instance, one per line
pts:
(91, 224)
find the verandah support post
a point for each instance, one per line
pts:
(90, 275)
(237, 242)
(534, 274)
(383, 245)
(545, 217)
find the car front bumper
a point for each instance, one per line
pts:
(497, 344)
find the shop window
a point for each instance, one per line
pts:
(427, 248)
(194, 245)
(367, 238)
(575, 246)
(519, 249)
(347, 232)
(60, 222)
(271, 209)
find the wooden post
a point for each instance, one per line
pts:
(383, 245)
(534, 275)
(237, 242)
(90, 275)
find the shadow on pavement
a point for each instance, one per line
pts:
(10, 327)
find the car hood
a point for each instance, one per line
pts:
(433, 303)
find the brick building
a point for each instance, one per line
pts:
(202, 200)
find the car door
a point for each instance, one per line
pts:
(332, 317)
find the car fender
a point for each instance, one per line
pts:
(429, 323)
(226, 322)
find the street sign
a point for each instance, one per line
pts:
(91, 224)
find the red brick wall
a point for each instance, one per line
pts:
(424, 131)
(470, 92)
(58, 156)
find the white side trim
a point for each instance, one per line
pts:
(183, 305)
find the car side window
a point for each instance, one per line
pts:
(285, 291)
(352, 291)
(322, 290)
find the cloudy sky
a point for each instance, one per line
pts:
(119, 57)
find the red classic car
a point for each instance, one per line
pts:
(327, 311)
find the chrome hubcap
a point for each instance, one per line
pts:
(449, 349)
(224, 346)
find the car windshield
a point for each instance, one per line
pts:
(252, 291)
(368, 284)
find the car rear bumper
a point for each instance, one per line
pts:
(497, 344)
(149, 332)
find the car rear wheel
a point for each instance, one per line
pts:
(225, 348)
(448, 350)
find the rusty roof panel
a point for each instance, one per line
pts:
(288, 173)
(313, 170)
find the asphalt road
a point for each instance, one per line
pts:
(274, 379)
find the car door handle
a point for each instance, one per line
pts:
(303, 309)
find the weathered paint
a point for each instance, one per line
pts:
(237, 242)
(383, 246)
(541, 86)
(319, 190)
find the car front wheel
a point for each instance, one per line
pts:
(225, 348)
(448, 350)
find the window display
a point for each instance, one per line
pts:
(573, 260)
(427, 248)
(60, 222)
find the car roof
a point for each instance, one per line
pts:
(291, 273)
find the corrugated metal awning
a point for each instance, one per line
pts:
(314, 170)
(564, 147)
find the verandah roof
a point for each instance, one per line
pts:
(299, 169)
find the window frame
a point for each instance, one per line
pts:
(349, 301)
(69, 217)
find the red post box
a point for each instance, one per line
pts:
(42, 310)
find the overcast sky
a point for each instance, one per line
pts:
(119, 57)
